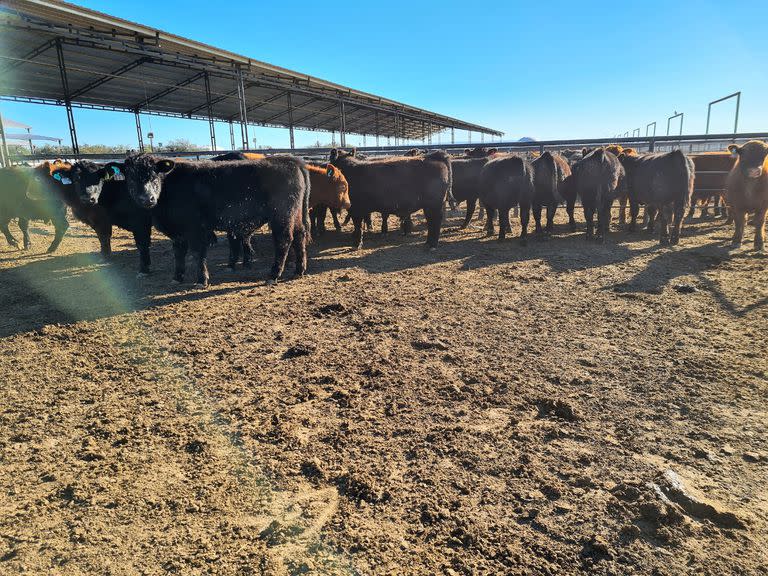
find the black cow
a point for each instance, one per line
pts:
(549, 171)
(598, 179)
(192, 199)
(31, 194)
(466, 178)
(98, 196)
(396, 185)
(664, 184)
(506, 182)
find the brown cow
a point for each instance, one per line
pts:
(329, 191)
(747, 189)
(396, 186)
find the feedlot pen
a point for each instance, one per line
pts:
(482, 409)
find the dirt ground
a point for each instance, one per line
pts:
(563, 408)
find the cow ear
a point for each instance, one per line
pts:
(629, 151)
(734, 149)
(334, 155)
(584, 151)
(165, 166)
(467, 150)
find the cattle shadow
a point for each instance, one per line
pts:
(67, 288)
(680, 261)
(49, 289)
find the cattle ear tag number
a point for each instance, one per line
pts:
(329, 172)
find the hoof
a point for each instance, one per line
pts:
(735, 245)
(272, 282)
(200, 285)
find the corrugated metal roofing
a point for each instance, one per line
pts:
(115, 64)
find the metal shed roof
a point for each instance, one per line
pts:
(115, 64)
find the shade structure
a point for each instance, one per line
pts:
(55, 52)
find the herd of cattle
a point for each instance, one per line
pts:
(237, 193)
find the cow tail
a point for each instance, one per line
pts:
(441, 156)
(305, 208)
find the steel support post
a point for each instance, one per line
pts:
(243, 109)
(209, 108)
(67, 101)
(231, 136)
(647, 126)
(139, 135)
(376, 117)
(469, 136)
(290, 119)
(5, 157)
(453, 140)
(342, 132)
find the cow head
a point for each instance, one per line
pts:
(480, 152)
(144, 177)
(751, 158)
(88, 178)
(337, 154)
(339, 186)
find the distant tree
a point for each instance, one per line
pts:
(180, 145)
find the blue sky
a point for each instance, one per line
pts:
(542, 69)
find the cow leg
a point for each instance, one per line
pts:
(525, 214)
(589, 216)
(481, 212)
(368, 222)
(622, 210)
(60, 226)
(235, 245)
(384, 223)
(357, 235)
(282, 238)
(760, 230)
(537, 217)
(180, 248)
(677, 223)
(490, 215)
(516, 212)
(665, 213)
(691, 210)
(434, 218)
(504, 225)
(739, 219)
(142, 239)
(406, 224)
(105, 241)
(705, 208)
(7, 233)
(551, 211)
(247, 250)
(634, 210)
(650, 216)
(335, 216)
(24, 227)
(603, 221)
(300, 250)
(348, 219)
(202, 264)
(471, 203)
(570, 208)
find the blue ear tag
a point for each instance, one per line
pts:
(116, 171)
(65, 180)
(57, 176)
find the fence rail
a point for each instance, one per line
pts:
(651, 143)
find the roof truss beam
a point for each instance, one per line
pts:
(111, 76)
